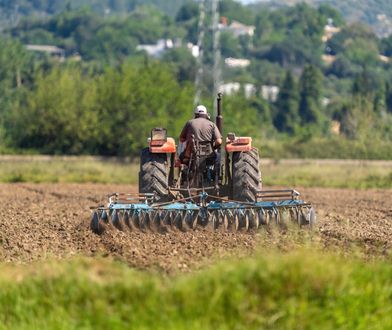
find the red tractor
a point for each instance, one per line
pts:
(233, 173)
(219, 187)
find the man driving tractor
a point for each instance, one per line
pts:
(198, 130)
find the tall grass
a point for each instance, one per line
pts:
(67, 170)
(328, 174)
(299, 290)
(307, 173)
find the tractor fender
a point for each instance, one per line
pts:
(163, 147)
(239, 144)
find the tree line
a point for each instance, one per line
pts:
(107, 103)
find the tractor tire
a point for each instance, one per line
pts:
(153, 175)
(246, 176)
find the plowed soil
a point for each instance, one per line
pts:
(42, 221)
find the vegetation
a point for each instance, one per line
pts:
(297, 290)
(366, 10)
(107, 95)
(288, 173)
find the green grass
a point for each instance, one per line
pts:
(302, 290)
(305, 173)
(338, 174)
(67, 170)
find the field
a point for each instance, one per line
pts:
(291, 172)
(57, 274)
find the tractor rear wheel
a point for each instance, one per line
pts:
(246, 175)
(153, 175)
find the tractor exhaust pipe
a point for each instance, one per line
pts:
(219, 117)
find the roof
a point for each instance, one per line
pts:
(45, 49)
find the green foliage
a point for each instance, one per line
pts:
(58, 115)
(290, 173)
(101, 7)
(188, 12)
(287, 117)
(183, 63)
(112, 104)
(297, 290)
(108, 40)
(310, 95)
(233, 10)
(131, 101)
(71, 112)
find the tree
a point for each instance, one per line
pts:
(133, 100)
(58, 115)
(287, 116)
(183, 62)
(388, 97)
(310, 96)
(187, 12)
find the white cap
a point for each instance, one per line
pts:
(200, 110)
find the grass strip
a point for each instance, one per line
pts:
(301, 290)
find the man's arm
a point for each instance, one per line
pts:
(184, 133)
(217, 137)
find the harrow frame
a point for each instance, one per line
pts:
(129, 211)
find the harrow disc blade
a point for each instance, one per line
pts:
(216, 220)
(144, 220)
(195, 218)
(236, 221)
(227, 220)
(165, 218)
(134, 219)
(241, 220)
(312, 217)
(212, 221)
(116, 222)
(262, 217)
(127, 220)
(177, 221)
(309, 216)
(284, 218)
(155, 221)
(190, 220)
(253, 219)
(246, 221)
(96, 224)
(105, 217)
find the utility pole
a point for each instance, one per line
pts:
(199, 61)
(216, 51)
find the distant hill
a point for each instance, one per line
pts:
(377, 13)
(11, 11)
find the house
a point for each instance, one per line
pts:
(329, 31)
(53, 51)
(156, 50)
(270, 93)
(230, 88)
(237, 62)
(237, 29)
(194, 49)
(249, 90)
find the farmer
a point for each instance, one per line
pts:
(198, 130)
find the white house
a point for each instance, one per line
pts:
(238, 29)
(237, 62)
(158, 49)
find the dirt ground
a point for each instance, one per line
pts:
(42, 221)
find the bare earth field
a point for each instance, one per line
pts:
(40, 221)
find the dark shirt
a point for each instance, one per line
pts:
(202, 129)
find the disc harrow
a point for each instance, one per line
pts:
(128, 212)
